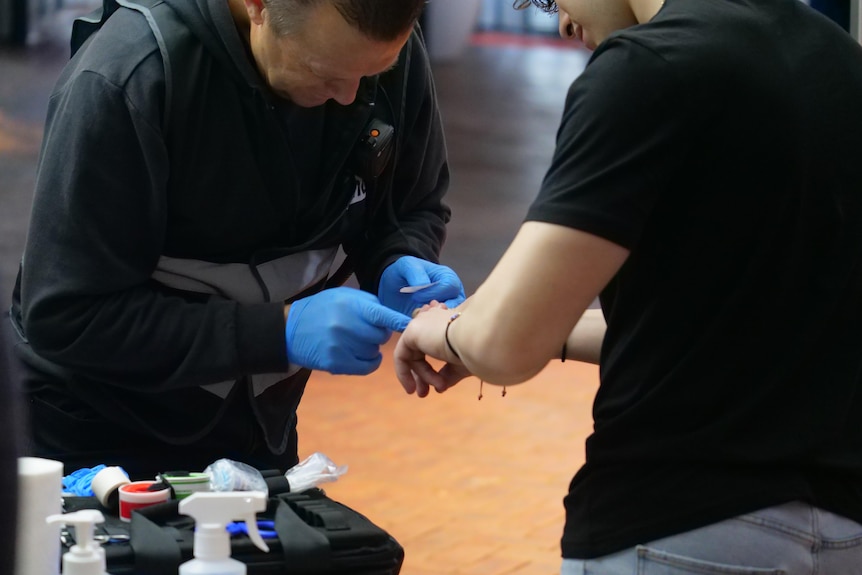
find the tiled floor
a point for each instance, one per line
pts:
(468, 487)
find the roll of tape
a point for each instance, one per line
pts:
(106, 485)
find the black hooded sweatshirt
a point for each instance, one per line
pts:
(168, 232)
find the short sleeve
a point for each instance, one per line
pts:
(618, 144)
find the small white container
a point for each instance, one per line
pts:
(40, 488)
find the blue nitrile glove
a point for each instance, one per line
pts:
(80, 482)
(340, 330)
(412, 271)
(265, 528)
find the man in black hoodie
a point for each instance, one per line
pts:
(196, 182)
(9, 436)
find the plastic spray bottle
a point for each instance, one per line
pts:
(212, 512)
(86, 557)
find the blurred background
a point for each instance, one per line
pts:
(468, 486)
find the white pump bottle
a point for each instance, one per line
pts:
(86, 557)
(212, 512)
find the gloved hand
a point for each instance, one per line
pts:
(412, 271)
(340, 330)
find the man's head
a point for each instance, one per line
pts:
(311, 51)
(591, 21)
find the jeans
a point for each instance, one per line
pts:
(789, 539)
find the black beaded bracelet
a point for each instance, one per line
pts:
(446, 334)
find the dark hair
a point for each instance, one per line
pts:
(382, 20)
(549, 6)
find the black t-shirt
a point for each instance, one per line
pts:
(720, 144)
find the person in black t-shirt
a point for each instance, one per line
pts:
(706, 186)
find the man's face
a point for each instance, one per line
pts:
(324, 59)
(592, 21)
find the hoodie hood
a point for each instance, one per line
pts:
(212, 22)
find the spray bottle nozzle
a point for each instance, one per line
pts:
(213, 511)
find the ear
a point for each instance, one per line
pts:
(566, 28)
(255, 11)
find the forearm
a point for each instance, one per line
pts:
(141, 338)
(518, 319)
(585, 341)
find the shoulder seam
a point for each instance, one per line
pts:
(122, 90)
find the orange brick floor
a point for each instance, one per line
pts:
(466, 486)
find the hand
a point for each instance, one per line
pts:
(411, 271)
(340, 330)
(425, 335)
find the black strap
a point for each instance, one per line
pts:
(156, 552)
(305, 549)
(149, 9)
(170, 33)
(277, 484)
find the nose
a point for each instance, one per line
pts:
(566, 28)
(344, 91)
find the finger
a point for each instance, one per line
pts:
(441, 292)
(442, 274)
(405, 376)
(381, 316)
(413, 376)
(411, 365)
(363, 352)
(414, 273)
(422, 388)
(403, 358)
(448, 286)
(366, 366)
(425, 307)
(366, 335)
(358, 366)
(427, 377)
(452, 375)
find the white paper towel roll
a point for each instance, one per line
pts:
(40, 488)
